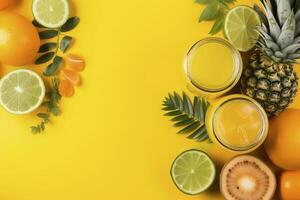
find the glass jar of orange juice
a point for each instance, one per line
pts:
(213, 67)
(237, 123)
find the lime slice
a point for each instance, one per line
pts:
(241, 27)
(193, 172)
(21, 91)
(51, 13)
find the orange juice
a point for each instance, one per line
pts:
(237, 123)
(213, 66)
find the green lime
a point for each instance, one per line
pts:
(241, 27)
(193, 172)
(21, 91)
(51, 13)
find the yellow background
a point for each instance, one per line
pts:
(112, 141)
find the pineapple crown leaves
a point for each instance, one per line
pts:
(215, 10)
(190, 116)
(280, 30)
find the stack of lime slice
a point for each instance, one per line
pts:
(193, 172)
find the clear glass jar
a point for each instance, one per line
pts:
(237, 123)
(213, 67)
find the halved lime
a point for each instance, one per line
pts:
(193, 172)
(51, 13)
(21, 91)
(241, 25)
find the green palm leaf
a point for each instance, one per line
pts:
(190, 117)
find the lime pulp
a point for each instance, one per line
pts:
(193, 172)
(51, 13)
(241, 27)
(21, 91)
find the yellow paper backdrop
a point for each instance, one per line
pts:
(112, 141)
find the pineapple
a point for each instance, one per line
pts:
(270, 77)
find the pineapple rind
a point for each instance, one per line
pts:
(274, 85)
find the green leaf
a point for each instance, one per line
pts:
(48, 34)
(197, 133)
(197, 106)
(55, 111)
(172, 101)
(203, 1)
(178, 101)
(42, 126)
(36, 24)
(203, 137)
(218, 26)
(47, 47)
(70, 24)
(45, 58)
(173, 113)
(167, 108)
(65, 43)
(53, 67)
(189, 128)
(180, 118)
(187, 105)
(211, 12)
(184, 122)
(34, 130)
(191, 117)
(43, 116)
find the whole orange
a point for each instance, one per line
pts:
(290, 185)
(19, 40)
(5, 3)
(283, 141)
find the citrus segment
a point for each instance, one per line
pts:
(66, 88)
(193, 172)
(241, 25)
(21, 91)
(72, 76)
(75, 62)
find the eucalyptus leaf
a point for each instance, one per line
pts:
(48, 34)
(37, 24)
(55, 111)
(43, 115)
(34, 129)
(47, 47)
(65, 43)
(70, 24)
(45, 58)
(42, 126)
(53, 67)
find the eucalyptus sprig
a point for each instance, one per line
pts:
(52, 107)
(50, 50)
(215, 10)
(190, 116)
